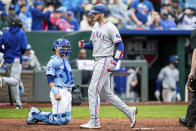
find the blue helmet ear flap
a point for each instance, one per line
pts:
(173, 59)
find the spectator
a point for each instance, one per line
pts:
(170, 24)
(38, 15)
(156, 24)
(169, 77)
(119, 11)
(72, 21)
(76, 6)
(27, 20)
(175, 10)
(3, 21)
(32, 59)
(140, 11)
(86, 74)
(25, 64)
(2, 6)
(87, 22)
(187, 19)
(11, 13)
(156, 4)
(18, 6)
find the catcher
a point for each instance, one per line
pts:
(190, 120)
(60, 81)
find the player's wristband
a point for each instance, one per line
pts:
(54, 91)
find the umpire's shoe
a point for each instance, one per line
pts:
(132, 116)
(30, 119)
(1, 82)
(183, 123)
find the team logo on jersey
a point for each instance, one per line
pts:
(117, 36)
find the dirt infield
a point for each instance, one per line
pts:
(114, 124)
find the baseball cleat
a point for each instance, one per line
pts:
(30, 120)
(18, 107)
(132, 116)
(90, 126)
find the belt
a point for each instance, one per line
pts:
(172, 89)
(99, 57)
(63, 87)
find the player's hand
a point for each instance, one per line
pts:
(112, 66)
(157, 95)
(178, 97)
(191, 75)
(139, 23)
(57, 97)
(81, 44)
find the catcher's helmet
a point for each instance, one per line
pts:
(174, 59)
(63, 46)
(16, 22)
(99, 8)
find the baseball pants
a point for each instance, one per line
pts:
(169, 95)
(13, 72)
(100, 86)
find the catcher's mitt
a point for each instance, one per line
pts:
(76, 96)
(192, 85)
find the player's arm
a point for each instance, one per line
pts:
(88, 45)
(51, 84)
(118, 55)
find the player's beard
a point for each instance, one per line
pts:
(98, 18)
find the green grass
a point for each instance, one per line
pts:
(146, 111)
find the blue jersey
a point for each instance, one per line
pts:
(142, 10)
(60, 68)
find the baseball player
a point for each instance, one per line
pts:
(60, 80)
(169, 77)
(13, 44)
(105, 36)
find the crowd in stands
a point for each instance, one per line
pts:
(75, 15)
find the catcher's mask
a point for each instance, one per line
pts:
(63, 45)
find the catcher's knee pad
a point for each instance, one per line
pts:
(60, 119)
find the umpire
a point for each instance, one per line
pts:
(13, 44)
(190, 120)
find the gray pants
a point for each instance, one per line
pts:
(100, 86)
(13, 72)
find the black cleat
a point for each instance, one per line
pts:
(183, 123)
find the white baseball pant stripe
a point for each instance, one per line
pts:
(100, 85)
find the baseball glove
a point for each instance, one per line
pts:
(192, 85)
(76, 96)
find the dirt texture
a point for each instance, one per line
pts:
(113, 124)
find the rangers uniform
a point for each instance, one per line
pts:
(103, 39)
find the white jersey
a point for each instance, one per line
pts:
(104, 37)
(169, 77)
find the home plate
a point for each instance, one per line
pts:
(143, 128)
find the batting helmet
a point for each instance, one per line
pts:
(16, 22)
(173, 59)
(99, 8)
(63, 46)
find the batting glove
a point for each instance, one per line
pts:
(178, 97)
(81, 44)
(112, 66)
(157, 95)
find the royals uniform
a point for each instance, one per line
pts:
(169, 78)
(103, 37)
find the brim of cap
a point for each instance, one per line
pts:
(95, 12)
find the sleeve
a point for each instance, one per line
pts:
(50, 70)
(193, 40)
(161, 74)
(115, 35)
(133, 5)
(1, 43)
(151, 8)
(24, 43)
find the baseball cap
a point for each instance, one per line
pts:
(164, 12)
(70, 13)
(12, 7)
(36, 3)
(61, 9)
(3, 14)
(28, 47)
(25, 58)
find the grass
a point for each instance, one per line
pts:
(146, 111)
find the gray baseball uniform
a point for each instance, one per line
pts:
(169, 77)
(103, 38)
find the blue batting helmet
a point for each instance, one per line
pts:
(173, 59)
(63, 45)
(99, 8)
